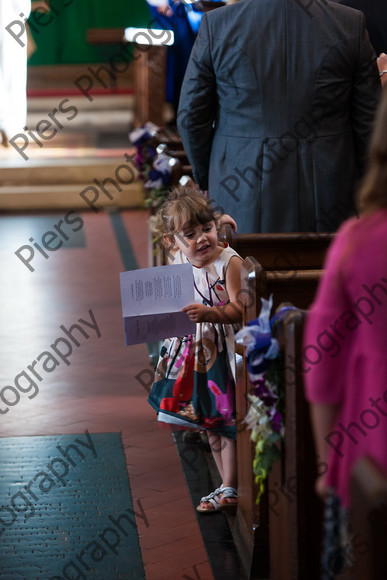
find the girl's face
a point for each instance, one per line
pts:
(199, 243)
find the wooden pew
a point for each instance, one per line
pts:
(281, 252)
(251, 528)
(295, 511)
(102, 36)
(292, 545)
(291, 263)
(173, 146)
(299, 287)
(149, 73)
(369, 512)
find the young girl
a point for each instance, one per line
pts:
(348, 389)
(194, 382)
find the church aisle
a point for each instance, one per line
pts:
(88, 382)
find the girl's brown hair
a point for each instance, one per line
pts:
(184, 207)
(373, 193)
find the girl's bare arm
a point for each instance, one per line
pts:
(231, 313)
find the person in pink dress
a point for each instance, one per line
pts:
(344, 352)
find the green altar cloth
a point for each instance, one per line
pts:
(60, 35)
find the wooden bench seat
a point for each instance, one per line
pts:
(286, 252)
(295, 511)
(174, 148)
(103, 36)
(298, 287)
(273, 538)
(251, 529)
(149, 73)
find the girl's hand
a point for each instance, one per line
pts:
(227, 219)
(321, 488)
(199, 313)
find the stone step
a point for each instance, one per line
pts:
(72, 113)
(98, 103)
(118, 120)
(68, 197)
(15, 171)
(63, 76)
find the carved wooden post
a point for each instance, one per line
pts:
(149, 75)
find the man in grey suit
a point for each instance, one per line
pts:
(276, 110)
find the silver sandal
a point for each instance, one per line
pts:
(213, 499)
(226, 492)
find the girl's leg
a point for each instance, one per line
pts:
(224, 453)
(228, 459)
(229, 467)
(216, 450)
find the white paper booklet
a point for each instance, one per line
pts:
(152, 299)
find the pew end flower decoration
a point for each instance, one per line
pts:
(265, 366)
(153, 163)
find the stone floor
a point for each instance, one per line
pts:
(99, 389)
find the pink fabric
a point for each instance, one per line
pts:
(345, 347)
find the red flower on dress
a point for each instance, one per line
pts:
(210, 423)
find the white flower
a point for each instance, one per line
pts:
(148, 128)
(156, 184)
(248, 335)
(255, 412)
(161, 163)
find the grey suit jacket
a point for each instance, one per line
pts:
(276, 110)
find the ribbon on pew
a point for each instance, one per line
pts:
(265, 366)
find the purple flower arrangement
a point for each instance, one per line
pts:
(265, 416)
(154, 165)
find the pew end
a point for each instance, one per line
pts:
(273, 538)
(251, 527)
(369, 512)
(296, 512)
(148, 67)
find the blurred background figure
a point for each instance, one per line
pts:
(184, 19)
(13, 67)
(341, 388)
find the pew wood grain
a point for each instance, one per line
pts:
(369, 512)
(280, 541)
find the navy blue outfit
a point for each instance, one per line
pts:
(184, 22)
